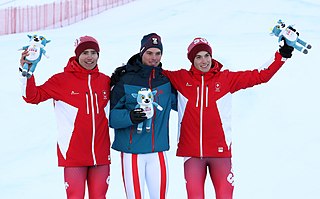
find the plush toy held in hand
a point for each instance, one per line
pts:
(145, 99)
(290, 35)
(35, 50)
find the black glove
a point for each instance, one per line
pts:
(285, 50)
(116, 75)
(137, 115)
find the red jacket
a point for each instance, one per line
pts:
(204, 106)
(81, 104)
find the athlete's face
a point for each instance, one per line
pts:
(151, 57)
(88, 59)
(203, 61)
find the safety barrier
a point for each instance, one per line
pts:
(52, 15)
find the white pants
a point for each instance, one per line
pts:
(150, 168)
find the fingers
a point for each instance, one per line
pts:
(294, 30)
(139, 112)
(138, 109)
(137, 115)
(291, 28)
(23, 60)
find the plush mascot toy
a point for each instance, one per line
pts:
(35, 50)
(145, 99)
(290, 35)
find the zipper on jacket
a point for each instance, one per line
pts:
(131, 132)
(207, 95)
(97, 104)
(87, 103)
(93, 121)
(201, 114)
(152, 130)
(152, 123)
(152, 76)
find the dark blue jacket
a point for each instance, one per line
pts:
(139, 76)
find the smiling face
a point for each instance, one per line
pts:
(203, 61)
(151, 57)
(88, 59)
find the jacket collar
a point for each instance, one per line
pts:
(135, 64)
(74, 67)
(215, 68)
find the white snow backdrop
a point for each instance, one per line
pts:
(276, 129)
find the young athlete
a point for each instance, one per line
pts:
(204, 103)
(81, 103)
(143, 156)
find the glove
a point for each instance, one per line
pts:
(285, 50)
(116, 75)
(294, 30)
(137, 116)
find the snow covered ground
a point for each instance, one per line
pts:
(276, 129)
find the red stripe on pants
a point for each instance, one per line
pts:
(135, 176)
(163, 169)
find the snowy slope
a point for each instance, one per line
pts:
(275, 126)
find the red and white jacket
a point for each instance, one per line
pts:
(204, 106)
(81, 104)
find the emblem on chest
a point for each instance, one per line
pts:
(217, 87)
